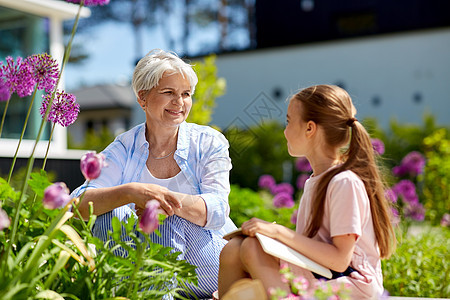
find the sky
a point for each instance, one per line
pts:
(112, 53)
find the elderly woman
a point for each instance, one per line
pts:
(182, 165)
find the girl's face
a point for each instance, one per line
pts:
(295, 129)
(169, 103)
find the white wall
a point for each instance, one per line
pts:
(393, 68)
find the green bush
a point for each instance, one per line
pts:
(419, 267)
(436, 189)
(246, 203)
(258, 150)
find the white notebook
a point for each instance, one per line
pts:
(284, 252)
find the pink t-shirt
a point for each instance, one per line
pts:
(347, 211)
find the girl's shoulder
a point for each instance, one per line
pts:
(346, 177)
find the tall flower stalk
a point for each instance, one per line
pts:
(30, 162)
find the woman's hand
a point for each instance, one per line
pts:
(254, 225)
(145, 192)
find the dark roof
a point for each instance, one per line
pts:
(105, 96)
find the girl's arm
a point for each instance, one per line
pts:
(335, 256)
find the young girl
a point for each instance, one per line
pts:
(343, 220)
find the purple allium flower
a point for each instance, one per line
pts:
(64, 109)
(18, 76)
(91, 164)
(395, 216)
(149, 219)
(415, 211)
(4, 219)
(56, 195)
(445, 221)
(385, 295)
(5, 91)
(391, 195)
(399, 171)
(266, 182)
(414, 162)
(283, 199)
(90, 2)
(294, 217)
(45, 71)
(301, 179)
(283, 187)
(302, 165)
(406, 189)
(378, 146)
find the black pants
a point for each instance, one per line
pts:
(335, 274)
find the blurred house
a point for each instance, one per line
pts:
(31, 27)
(109, 106)
(391, 56)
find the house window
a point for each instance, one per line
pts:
(22, 35)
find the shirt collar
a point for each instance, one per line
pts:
(184, 136)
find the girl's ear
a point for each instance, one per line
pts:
(311, 128)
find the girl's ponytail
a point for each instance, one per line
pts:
(331, 108)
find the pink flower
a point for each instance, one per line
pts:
(294, 217)
(414, 163)
(18, 76)
(64, 109)
(300, 283)
(266, 182)
(91, 164)
(283, 199)
(378, 146)
(445, 221)
(415, 211)
(149, 220)
(283, 187)
(5, 92)
(390, 195)
(45, 71)
(301, 179)
(406, 189)
(56, 195)
(90, 2)
(395, 216)
(302, 165)
(4, 219)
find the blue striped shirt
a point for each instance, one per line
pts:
(202, 155)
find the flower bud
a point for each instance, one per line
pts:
(56, 195)
(4, 220)
(149, 220)
(91, 164)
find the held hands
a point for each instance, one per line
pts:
(164, 196)
(254, 225)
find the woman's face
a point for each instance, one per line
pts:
(169, 103)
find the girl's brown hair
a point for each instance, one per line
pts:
(331, 108)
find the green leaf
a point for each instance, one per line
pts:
(6, 191)
(39, 182)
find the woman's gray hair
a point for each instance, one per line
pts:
(150, 69)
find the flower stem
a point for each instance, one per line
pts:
(48, 146)
(4, 115)
(31, 158)
(22, 134)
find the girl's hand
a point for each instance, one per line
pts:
(254, 225)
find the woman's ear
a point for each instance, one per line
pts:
(141, 98)
(311, 128)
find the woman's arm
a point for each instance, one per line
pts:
(335, 256)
